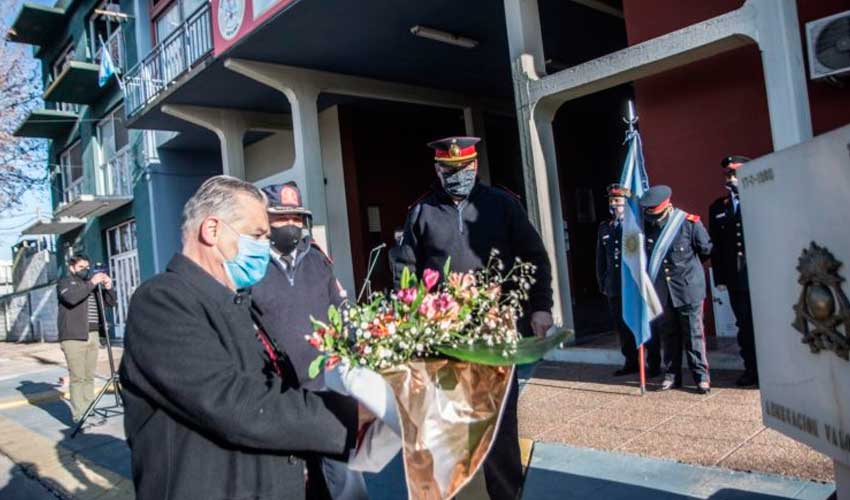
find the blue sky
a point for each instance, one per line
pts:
(12, 222)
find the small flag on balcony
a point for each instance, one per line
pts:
(107, 67)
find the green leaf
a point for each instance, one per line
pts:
(316, 323)
(420, 296)
(335, 318)
(316, 366)
(529, 350)
(405, 278)
(447, 268)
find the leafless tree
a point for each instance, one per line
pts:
(23, 162)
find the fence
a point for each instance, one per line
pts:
(30, 316)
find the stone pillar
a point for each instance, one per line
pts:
(228, 125)
(784, 74)
(473, 118)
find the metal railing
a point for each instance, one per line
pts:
(73, 191)
(169, 59)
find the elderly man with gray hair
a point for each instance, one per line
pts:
(211, 405)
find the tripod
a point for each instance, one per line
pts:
(117, 408)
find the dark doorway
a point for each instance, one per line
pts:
(589, 135)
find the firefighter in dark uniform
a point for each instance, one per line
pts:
(300, 283)
(729, 261)
(676, 243)
(464, 220)
(608, 248)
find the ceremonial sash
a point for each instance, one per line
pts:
(665, 239)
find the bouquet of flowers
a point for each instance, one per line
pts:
(444, 347)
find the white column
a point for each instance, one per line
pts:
(540, 167)
(228, 125)
(784, 72)
(473, 118)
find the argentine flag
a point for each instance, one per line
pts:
(640, 302)
(107, 66)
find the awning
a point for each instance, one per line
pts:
(77, 84)
(47, 124)
(37, 24)
(90, 206)
(55, 226)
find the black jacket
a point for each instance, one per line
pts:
(681, 276)
(608, 250)
(73, 318)
(728, 256)
(437, 228)
(206, 417)
(287, 297)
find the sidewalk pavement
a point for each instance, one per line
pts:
(38, 460)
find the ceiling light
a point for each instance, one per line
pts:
(442, 36)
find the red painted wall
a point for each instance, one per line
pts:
(693, 116)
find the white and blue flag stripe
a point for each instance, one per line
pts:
(640, 301)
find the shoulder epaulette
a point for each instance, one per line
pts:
(322, 252)
(693, 217)
(505, 189)
(421, 197)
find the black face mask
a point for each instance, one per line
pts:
(458, 183)
(654, 219)
(286, 238)
(84, 274)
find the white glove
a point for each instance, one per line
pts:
(369, 388)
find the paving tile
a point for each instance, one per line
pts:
(536, 419)
(770, 437)
(737, 396)
(680, 448)
(800, 461)
(712, 428)
(724, 411)
(585, 435)
(623, 419)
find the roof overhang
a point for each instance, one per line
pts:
(47, 124)
(55, 226)
(36, 24)
(90, 206)
(77, 83)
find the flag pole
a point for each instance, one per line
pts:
(631, 120)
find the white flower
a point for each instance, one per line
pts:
(384, 353)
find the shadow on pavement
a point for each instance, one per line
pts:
(37, 393)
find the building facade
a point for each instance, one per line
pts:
(342, 97)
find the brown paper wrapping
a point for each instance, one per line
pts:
(449, 412)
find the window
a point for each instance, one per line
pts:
(71, 164)
(173, 16)
(105, 25)
(113, 158)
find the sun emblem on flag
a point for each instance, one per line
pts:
(632, 243)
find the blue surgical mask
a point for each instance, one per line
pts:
(249, 265)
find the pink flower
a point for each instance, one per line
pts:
(407, 295)
(430, 277)
(428, 308)
(332, 362)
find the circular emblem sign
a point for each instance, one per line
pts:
(230, 15)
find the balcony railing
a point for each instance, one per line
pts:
(73, 191)
(117, 176)
(172, 57)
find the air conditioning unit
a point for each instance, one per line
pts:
(828, 41)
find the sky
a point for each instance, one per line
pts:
(12, 222)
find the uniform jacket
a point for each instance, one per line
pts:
(287, 297)
(608, 250)
(728, 256)
(205, 415)
(73, 318)
(681, 276)
(437, 228)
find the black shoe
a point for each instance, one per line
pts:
(703, 388)
(748, 379)
(626, 370)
